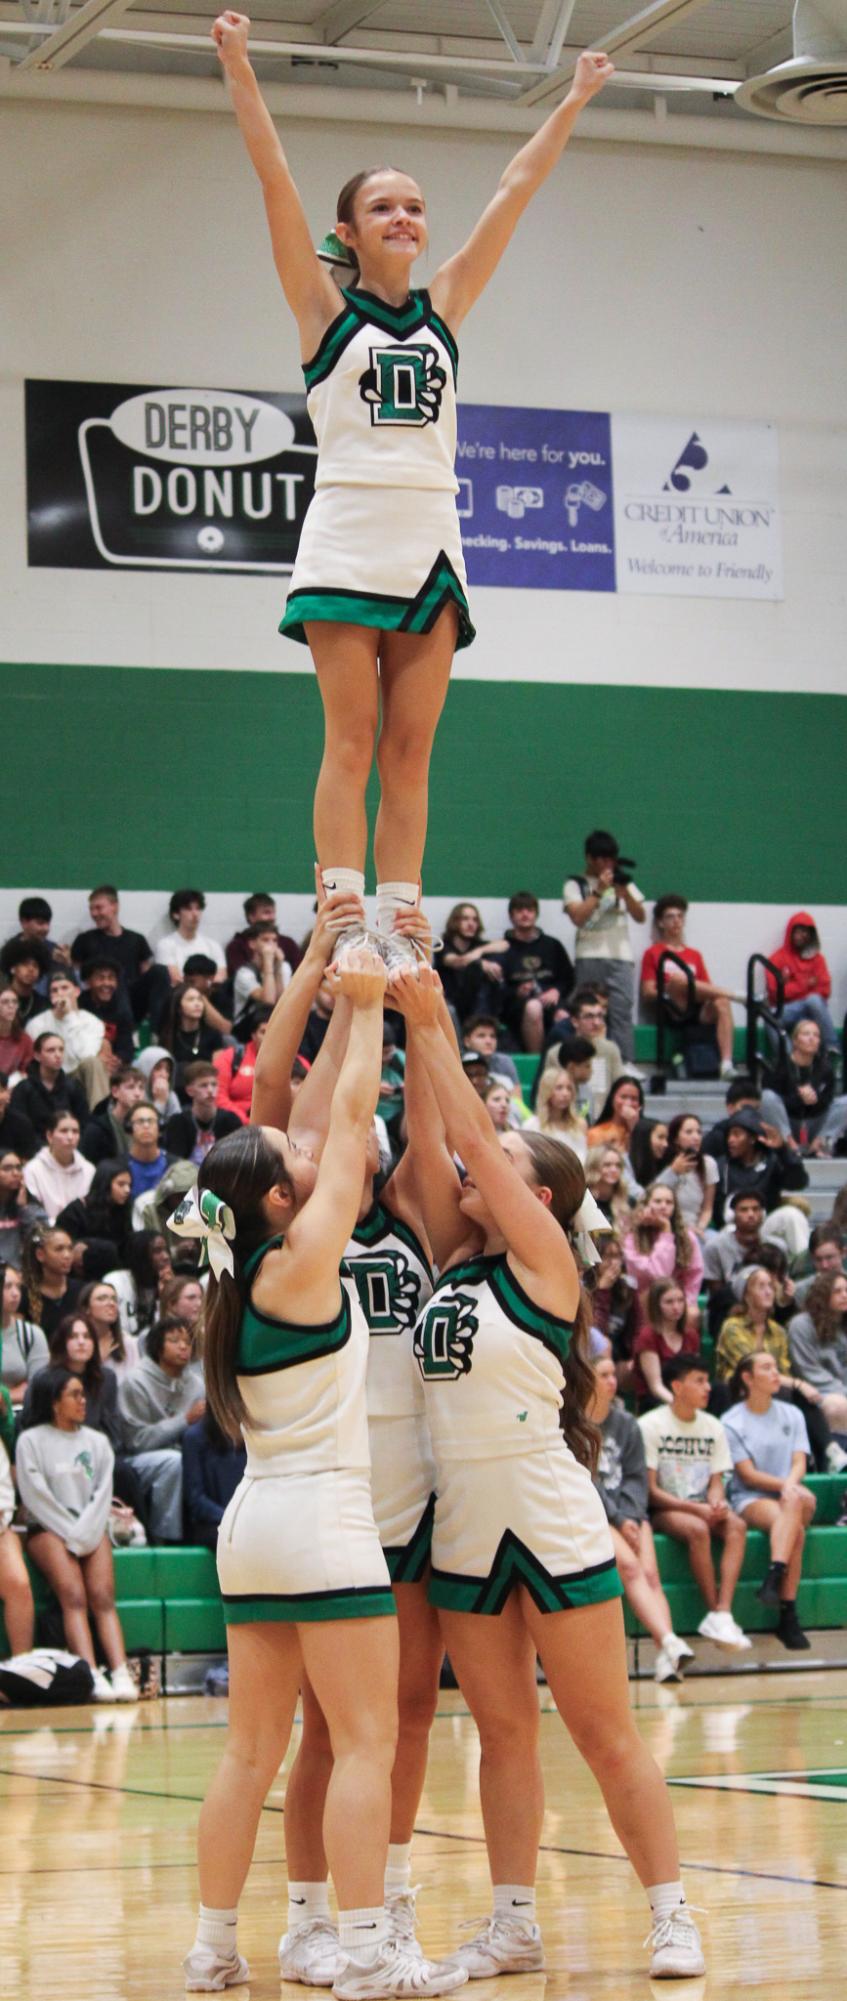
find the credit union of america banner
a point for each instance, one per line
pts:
(126, 476)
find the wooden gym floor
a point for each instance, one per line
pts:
(97, 1814)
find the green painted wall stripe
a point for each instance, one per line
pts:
(157, 777)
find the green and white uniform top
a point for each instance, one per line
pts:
(393, 1279)
(492, 1365)
(381, 394)
(304, 1388)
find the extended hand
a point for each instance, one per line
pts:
(230, 32)
(362, 977)
(416, 995)
(592, 71)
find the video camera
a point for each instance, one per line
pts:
(621, 875)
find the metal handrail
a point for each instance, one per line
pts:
(668, 1012)
(759, 1008)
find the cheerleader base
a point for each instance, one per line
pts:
(383, 556)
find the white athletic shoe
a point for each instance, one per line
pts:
(400, 1912)
(501, 1945)
(721, 1627)
(311, 1953)
(675, 1949)
(397, 1971)
(123, 1686)
(352, 940)
(103, 1690)
(666, 1667)
(677, 1650)
(401, 954)
(208, 1972)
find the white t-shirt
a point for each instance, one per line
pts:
(80, 1030)
(689, 1189)
(605, 934)
(174, 950)
(684, 1452)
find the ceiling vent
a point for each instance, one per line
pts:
(811, 89)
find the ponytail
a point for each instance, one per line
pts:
(558, 1168)
(241, 1170)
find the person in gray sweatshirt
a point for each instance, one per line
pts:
(156, 1401)
(817, 1338)
(621, 1482)
(64, 1474)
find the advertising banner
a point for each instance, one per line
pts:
(535, 498)
(697, 507)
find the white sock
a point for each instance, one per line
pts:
(398, 1868)
(216, 1930)
(348, 881)
(307, 1901)
(363, 1933)
(515, 1901)
(665, 1898)
(391, 897)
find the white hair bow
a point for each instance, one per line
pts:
(589, 1219)
(202, 1214)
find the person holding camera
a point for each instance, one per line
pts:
(600, 904)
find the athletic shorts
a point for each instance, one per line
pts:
(302, 1546)
(535, 1520)
(403, 1490)
(382, 556)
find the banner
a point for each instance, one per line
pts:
(127, 477)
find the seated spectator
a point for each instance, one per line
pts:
(665, 1332)
(600, 904)
(480, 1033)
(537, 974)
(212, 1466)
(263, 980)
(807, 984)
(619, 1116)
(46, 1266)
(85, 1044)
(137, 1286)
(182, 1298)
(606, 1180)
(259, 909)
(613, 1305)
(98, 1299)
(713, 1003)
(691, 1173)
(158, 1069)
(157, 1401)
(687, 1455)
(24, 1346)
(100, 1222)
(500, 1105)
(769, 1447)
(648, 1150)
(476, 1070)
(469, 966)
(146, 1157)
(15, 1588)
(18, 1213)
(103, 996)
(320, 1016)
(16, 1047)
(555, 1112)
(751, 1327)
(104, 1135)
(17, 1134)
(752, 1164)
(64, 1472)
(34, 920)
(145, 985)
(185, 910)
(658, 1245)
(825, 1254)
(58, 1174)
(621, 1482)
(200, 972)
(801, 1100)
(741, 1095)
(189, 1134)
(188, 1035)
(817, 1339)
(236, 1067)
(588, 1023)
(26, 963)
(574, 1055)
(46, 1089)
(726, 1251)
(73, 1346)
(772, 1259)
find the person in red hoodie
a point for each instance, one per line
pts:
(807, 979)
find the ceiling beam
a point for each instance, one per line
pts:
(65, 42)
(498, 13)
(624, 40)
(342, 16)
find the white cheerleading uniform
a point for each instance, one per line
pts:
(380, 544)
(298, 1540)
(393, 1280)
(513, 1505)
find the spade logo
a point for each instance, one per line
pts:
(693, 459)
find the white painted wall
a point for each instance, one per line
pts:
(642, 279)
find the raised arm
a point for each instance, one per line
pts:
(459, 282)
(431, 1163)
(308, 287)
(272, 1094)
